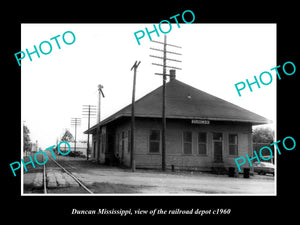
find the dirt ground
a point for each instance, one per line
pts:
(112, 180)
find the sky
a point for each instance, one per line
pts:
(214, 58)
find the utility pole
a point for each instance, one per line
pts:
(164, 74)
(90, 111)
(99, 119)
(99, 101)
(132, 137)
(75, 122)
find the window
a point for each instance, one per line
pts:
(122, 142)
(233, 144)
(187, 142)
(94, 149)
(118, 143)
(202, 143)
(154, 141)
(217, 136)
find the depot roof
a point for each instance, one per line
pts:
(186, 102)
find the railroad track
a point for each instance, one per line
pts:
(46, 190)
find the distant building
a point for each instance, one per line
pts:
(81, 146)
(34, 146)
(203, 132)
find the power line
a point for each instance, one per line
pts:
(90, 111)
(75, 122)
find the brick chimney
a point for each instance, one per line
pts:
(172, 75)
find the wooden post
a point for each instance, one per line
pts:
(75, 122)
(132, 161)
(163, 147)
(88, 140)
(89, 111)
(164, 74)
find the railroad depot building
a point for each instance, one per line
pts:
(203, 132)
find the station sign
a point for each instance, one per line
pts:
(200, 122)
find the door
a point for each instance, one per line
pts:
(94, 150)
(218, 147)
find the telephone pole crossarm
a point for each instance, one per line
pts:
(175, 53)
(173, 67)
(159, 57)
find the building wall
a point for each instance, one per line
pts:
(99, 145)
(174, 143)
(94, 147)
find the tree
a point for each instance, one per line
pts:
(263, 135)
(26, 139)
(68, 137)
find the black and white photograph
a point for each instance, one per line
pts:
(149, 117)
(137, 112)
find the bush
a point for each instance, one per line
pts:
(263, 135)
(75, 154)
